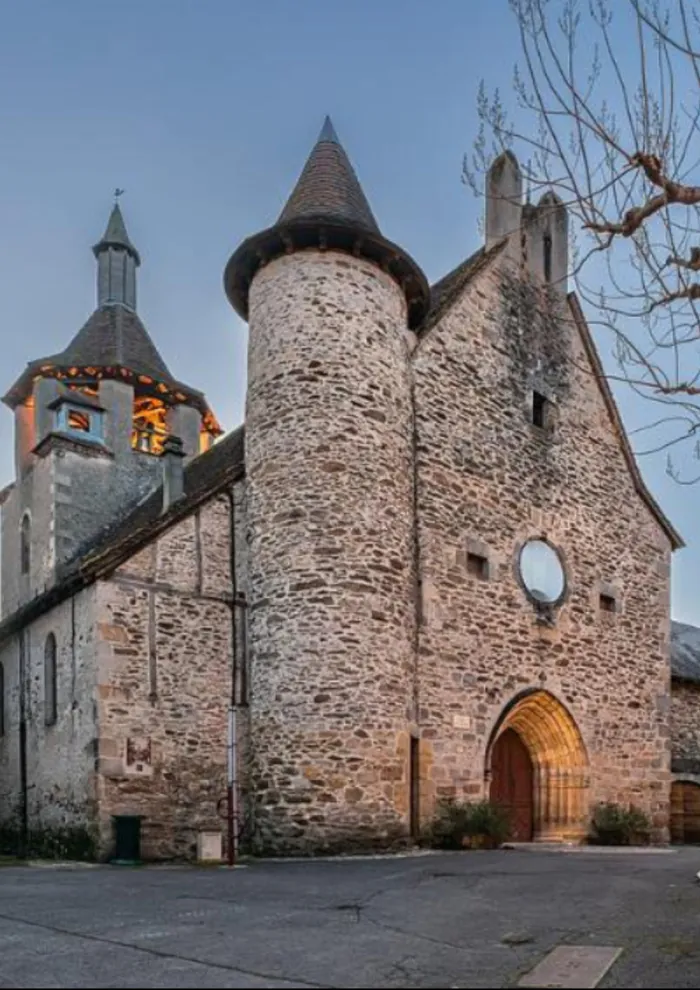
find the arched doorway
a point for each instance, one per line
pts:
(685, 811)
(538, 769)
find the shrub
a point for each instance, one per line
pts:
(464, 823)
(614, 825)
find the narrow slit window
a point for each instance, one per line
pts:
(477, 565)
(25, 543)
(414, 774)
(607, 603)
(50, 692)
(540, 406)
(547, 250)
(2, 700)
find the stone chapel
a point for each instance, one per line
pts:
(426, 565)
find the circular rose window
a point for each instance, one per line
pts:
(542, 572)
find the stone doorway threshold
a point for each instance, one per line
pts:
(576, 847)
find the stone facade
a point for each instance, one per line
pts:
(144, 684)
(164, 655)
(489, 480)
(400, 449)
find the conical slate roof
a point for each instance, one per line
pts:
(327, 210)
(328, 188)
(114, 336)
(115, 235)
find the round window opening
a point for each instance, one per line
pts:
(542, 572)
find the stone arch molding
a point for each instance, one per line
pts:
(559, 759)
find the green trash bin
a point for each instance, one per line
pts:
(127, 839)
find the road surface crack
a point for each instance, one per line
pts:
(161, 954)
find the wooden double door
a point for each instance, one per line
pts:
(512, 783)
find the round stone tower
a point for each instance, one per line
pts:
(329, 477)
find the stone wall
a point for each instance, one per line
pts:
(33, 492)
(685, 728)
(488, 480)
(72, 492)
(93, 492)
(330, 504)
(164, 650)
(60, 757)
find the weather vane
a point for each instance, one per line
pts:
(117, 193)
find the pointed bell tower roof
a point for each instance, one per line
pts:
(115, 235)
(326, 210)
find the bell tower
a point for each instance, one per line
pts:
(90, 423)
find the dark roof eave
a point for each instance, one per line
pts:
(325, 234)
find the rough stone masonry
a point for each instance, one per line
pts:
(346, 569)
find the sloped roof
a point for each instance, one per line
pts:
(447, 290)
(114, 335)
(206, 475)
(685, 652)
(328, 188)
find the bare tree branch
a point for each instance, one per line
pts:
(606, 113)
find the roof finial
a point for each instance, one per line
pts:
(328, 131)
(115, 235)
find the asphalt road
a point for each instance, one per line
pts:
(479, 919)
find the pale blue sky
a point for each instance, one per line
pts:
(204, 111)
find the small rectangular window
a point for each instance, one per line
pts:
(540, 406)
(477, 565)
(79, 421)
(607, 603)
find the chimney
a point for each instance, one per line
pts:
(173, 471)
(504, 191)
